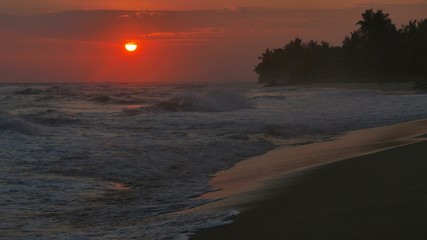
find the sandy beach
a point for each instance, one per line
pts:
(368, 184)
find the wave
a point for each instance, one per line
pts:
(134, 112)
(211, 101)
(29, 91)
(105, 99)
(37, 91)
(272, 97)
(51, 118)
(16, 124)
(292, 130)
(47, 93)
(101, 99)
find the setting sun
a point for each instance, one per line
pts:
(131, 46)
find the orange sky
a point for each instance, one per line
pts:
(175, 46)
(37, 6)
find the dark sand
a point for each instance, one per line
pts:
(378, 196)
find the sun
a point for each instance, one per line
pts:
(131, 46)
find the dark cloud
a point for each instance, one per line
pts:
(116, 25)
(113, 25)
(209, 45)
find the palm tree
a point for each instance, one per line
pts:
(376, 26)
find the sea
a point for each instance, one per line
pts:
(121, 161)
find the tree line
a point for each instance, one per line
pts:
(376, 51)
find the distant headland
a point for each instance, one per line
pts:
(377, 51)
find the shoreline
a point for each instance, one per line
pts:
(260, 183)
(396, 86)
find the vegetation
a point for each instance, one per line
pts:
(377, 51)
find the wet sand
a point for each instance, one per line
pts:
(377, 192)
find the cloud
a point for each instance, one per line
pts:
(198, 24)
(109, 25)
(43, 6)
(194, 45)
(194, 35)
(149, 13)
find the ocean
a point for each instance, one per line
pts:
(120, 161)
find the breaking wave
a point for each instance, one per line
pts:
(46, 93)
(211, 101)
(16, 124)
(105, 99)
(51, 118)
(30, 91)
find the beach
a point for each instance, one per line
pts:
(376, 192)
(179, 120)
(120, 161)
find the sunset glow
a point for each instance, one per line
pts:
(156, 119)
(116, 40)
(131, 46)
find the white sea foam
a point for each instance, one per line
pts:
(211, 101)
(16, 124)
(119, 166)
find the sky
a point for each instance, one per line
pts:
(40, 6)
(179, 41)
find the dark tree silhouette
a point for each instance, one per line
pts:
(413, 45)
(377, 50)
(376, 27)
(377, 34)
(297, 61)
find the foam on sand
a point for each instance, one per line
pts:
(257, 172)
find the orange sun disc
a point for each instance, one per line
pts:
(130, 47)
